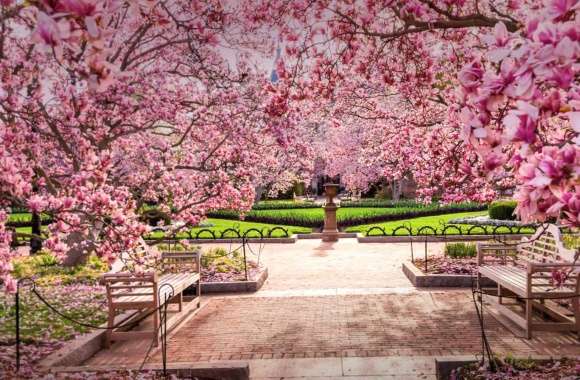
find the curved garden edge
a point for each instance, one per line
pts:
(435, 238)
(444, 365)
(235, 286)
(422, 280)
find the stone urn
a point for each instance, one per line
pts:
(330, 231)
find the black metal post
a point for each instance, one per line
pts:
(425, 254)
(244, 242)
(164, 337)
(35, 240)
(17, 304)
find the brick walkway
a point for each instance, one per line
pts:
(345, 300)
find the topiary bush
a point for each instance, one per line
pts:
(502, 210)
(460, 250)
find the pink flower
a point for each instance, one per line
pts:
(81, 8)
(470, 76)
(48, 31)
(10, 284)
(36, 204)
(520, 124)
(558, 8)
(492, 161)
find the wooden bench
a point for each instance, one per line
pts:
(524, 272)
(146, 292)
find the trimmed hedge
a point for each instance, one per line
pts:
(315, 218)
(382, 203)
(502, 210)
(283, 205)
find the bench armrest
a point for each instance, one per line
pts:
(495, 251)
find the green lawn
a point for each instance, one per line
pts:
(436, 222)
(220, 225)
(24, 217)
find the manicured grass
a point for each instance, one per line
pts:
(221, 225)
(437, 222)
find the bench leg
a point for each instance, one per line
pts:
(479, 287)
(529, 309)
(156, 317)
(499, 294)
(576, 308)
(180, 301)
(110, 324)
(198, 293)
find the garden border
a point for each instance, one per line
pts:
(422, 280)
(445, 364)
(320, 235)
(235, 286)
(434, 238)
(234, 370)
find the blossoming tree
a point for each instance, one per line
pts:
(506, 73)
(108, 105)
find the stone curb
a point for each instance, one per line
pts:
(235, 286)
(445, 364)
(421, 280)
(286, 240)
(320, 235)
(434, 238)
(231, 370)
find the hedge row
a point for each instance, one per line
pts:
(316, 220)
(382, 203)
(283, 205)
(502, 210)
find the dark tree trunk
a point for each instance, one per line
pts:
(35, 240)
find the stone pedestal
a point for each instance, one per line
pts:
(330, 231)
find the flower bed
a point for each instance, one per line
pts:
(446, 265)
(527, 369)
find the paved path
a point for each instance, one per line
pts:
(333, 310)
(313, 264)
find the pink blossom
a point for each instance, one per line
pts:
(48, 31)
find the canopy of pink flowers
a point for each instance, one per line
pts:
(108, 105)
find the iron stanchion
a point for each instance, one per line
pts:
(244, 242)
(17, 304)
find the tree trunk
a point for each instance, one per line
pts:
(259, 192)
(35, 240)
(81, 246)
(78, 252)
(396, 187)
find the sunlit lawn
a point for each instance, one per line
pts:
(437, 222)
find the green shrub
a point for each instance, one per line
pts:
(219, 260)
(502, 210)
(571, 241)
(460, 250)
(46, 271)
(154, 216)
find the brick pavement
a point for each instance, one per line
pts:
(342, 300)
(423, 324)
